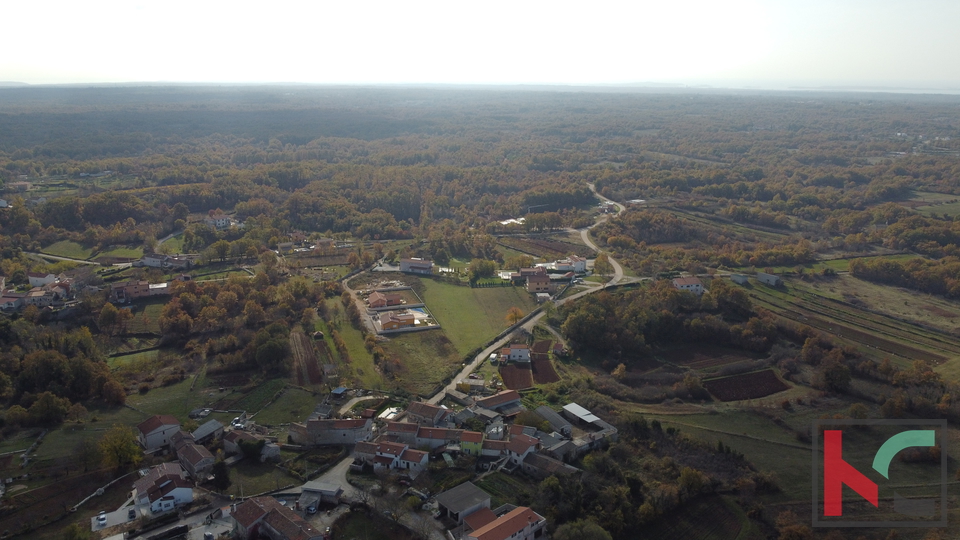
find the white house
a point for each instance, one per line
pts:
(690, 284)
(155, 432)
(170, 495)
(416, 266)
(516, 353)
(218, 221)
(41, 279)
(579, 264)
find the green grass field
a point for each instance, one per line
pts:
(174, 244)
(504, 488)
(251, 478)
(66, 248)
(122, 251)
(427, 358)
(364, 372)
(176, 399)
(293, 406)
(133, 358)
(260, 396)
(146, 316)
(470, 317)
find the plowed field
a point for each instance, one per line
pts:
(745, 386)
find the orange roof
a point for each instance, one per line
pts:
(253, 510)
(480, 518)
(507, 525)
(415, 456)
(402, 427)
(471, 437)
(499, 399)
(521, 443)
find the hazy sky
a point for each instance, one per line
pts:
(771, 43)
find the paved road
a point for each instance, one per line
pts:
(585, 236)
(349, 405)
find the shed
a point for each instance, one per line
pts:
(557, 422)
(769, 279)
(739, 279)
(461, 501)
(339, 391)
(316, 491)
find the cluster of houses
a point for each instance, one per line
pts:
(123, 292)
(47, 290)
(468, 507)
(431, 430)
(171, 484)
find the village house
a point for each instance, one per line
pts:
(378, 299)
(416, 266)
(157, 477)
(196, 460)
(155, 432)
(402, 432)
(540, 283)
(426, 414)
(126, 291)
(541, 466)
(265, 516)
(11, 301)
(208, 432)
(391, 455)
(506, 403)
(520, 277)
(323, 432)
(231, 441)
(218, 221)
(41, 279)
(392, 320)
(40, 298)
(516, 352)
(471, 443)
(520, 523)
(436, 437)
(690, 284)
(520, 446)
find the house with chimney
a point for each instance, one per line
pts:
(426, 414)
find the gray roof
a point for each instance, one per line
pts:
(462, 497)
(207, 428)
(324, 487)
(557, 422)
(579, 412)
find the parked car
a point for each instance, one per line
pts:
(102, 518)
(132, 513)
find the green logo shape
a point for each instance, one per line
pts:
(901, 441)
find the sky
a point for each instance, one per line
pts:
(725, 43)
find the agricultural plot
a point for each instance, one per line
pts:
(515, 377)
(503, 488)
(753, 385)
(702, 357)
(121, 252)
(293, 406)
(146, 316)
(876, 334)
(305, 366)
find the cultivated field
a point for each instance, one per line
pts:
(515, 377)
(66, 248)
(420, 361)
(753, 385)
(545, 248)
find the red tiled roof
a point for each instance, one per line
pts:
(437, 433)
(290, 525)
(237, 436)
(499, 399)
(480, 518)
(415, 456)
(507, 525)
(394, 449)
(521, 443)
(252, 510)
(364, 447)
(402, 427)
(350, 424)
(489, 444)
(383, 460)
(194, 454)
(425, 410)
(154, 423)
(471, 436)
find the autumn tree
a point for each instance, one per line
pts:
(514, 315)
(119, 448)
(601, 265)
(582, 529)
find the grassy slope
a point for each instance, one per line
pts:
(470, 317)
(66, 248)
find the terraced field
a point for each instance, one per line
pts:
(877, 335)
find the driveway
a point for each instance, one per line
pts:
(338, 475)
